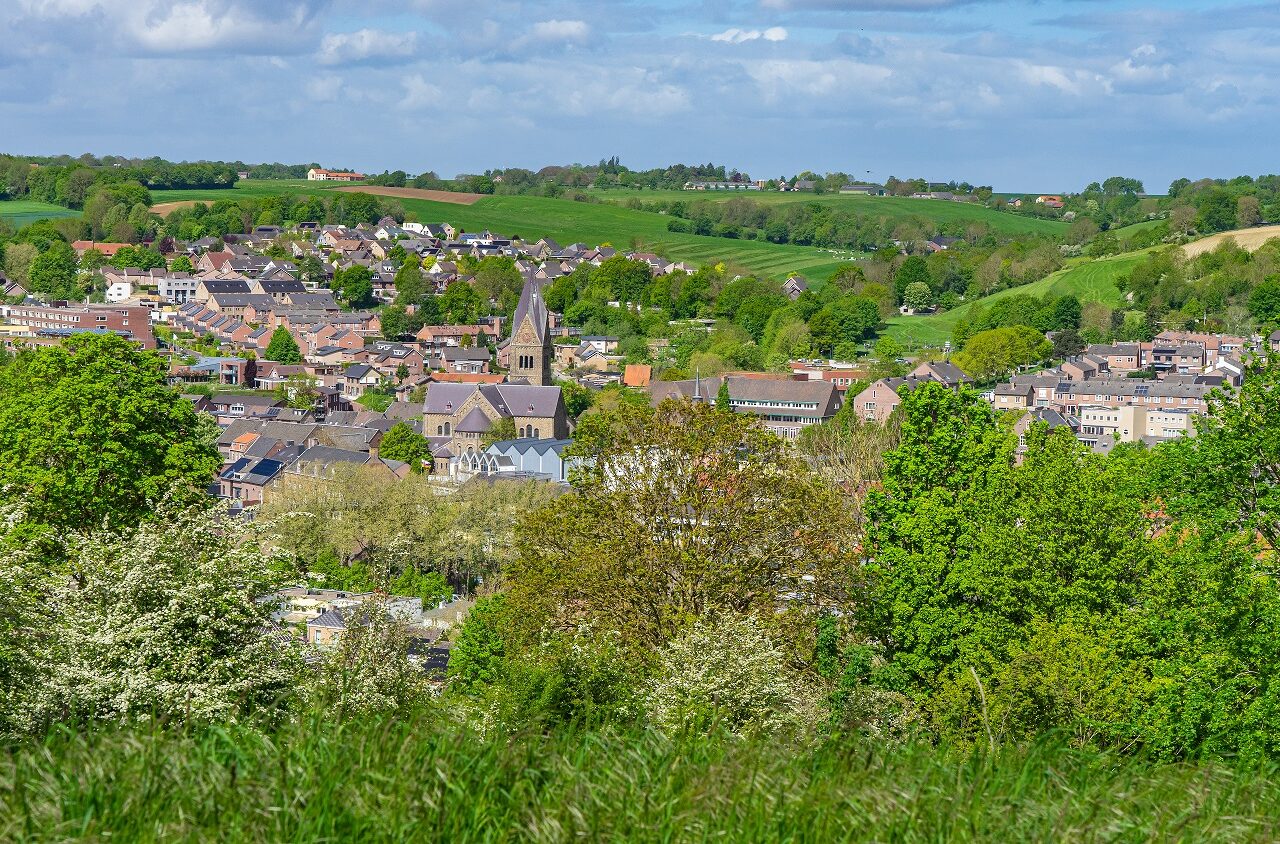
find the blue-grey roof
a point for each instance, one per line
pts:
(329, 618)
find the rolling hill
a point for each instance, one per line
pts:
(611, 222)
(892, 207)
(567, 221)
(1089, 281)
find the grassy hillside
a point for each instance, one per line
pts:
(249, 187)
(894, 208)
(610, 222)
(1134, 228)
(567, 221)
(21, 212)
(415, 779)
(1089, 281)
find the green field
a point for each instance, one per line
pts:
(1089, 281)
(892, 207)
(567, 221)
(247, 188)
(21, 212)
(1134, 228)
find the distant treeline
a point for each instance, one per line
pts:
(65, 180)
(69, 184)
(555, 180)
(808, 224)
(239, 214)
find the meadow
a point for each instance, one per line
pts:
(1088, 280)
(416, 778)
(22, 212)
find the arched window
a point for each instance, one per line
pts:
(534, 433)
(439, 430)
(446, 429)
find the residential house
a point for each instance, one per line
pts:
(228, 407)
(473, 360)
(879, 399)
(358, 378)
(794, 286)
(1120, 358)
(245, 481)
(318, 174)
(107, 249)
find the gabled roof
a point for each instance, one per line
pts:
(475, 422)
(946, 372)
(507, 399)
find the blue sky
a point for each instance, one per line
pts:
(1023, 95)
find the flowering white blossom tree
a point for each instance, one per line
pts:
(166, 621)
(729, 673)
(370, 670)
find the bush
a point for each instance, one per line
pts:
(727, 674)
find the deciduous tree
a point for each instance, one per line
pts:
(677, 513)
(283, 348)
(91, 433)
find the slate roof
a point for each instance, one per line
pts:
(507, 399)
(533, 306)
(331, 619)
(475, 422)
(821, 393)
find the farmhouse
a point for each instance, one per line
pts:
(317, 174)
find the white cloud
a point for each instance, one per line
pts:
(734, 35)
(558, 30)
(784, 79)
(1069, 81)
(419, 93)
(366, 45)
(187, 26)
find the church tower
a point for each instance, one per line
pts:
(530, 345)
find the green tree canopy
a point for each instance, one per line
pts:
(917, 296)
(137, 256)
(678, 512)
(53, 272)
(283, 348)
(998, 351)
(91, 433)
(354, 285)
(406, 445)
(914, 270)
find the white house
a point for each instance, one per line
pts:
(119, 291)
